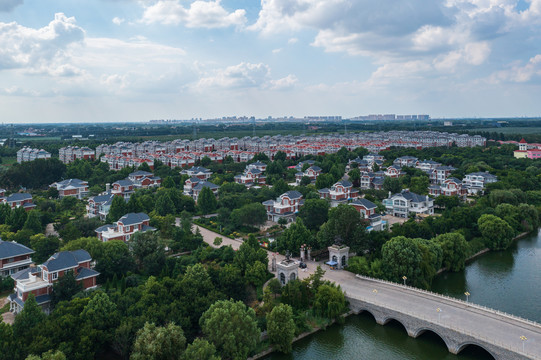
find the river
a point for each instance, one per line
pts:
(507, 280)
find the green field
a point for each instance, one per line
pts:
(534, 130)
(38, 138)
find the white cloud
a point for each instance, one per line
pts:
(39, 50)
(276, 51)
(284, 83)
(519, 74)
(9, 5)
(292, 41)
(200, 14)
(245, 75)
(117, 21)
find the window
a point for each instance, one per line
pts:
(45, 274)
(55, 276)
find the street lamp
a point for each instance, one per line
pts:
(439, 313)
(523, 338)
(467, 295)
(404, 278)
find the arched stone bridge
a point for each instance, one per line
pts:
(457, 322)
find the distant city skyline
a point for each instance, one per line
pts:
(137, 60)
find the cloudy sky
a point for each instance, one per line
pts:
(135, 60)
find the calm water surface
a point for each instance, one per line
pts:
(509, 281)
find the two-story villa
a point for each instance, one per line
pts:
(196, 190)
(475, 183)
(440, 174)
(14, 257)
(99, 205)
(17, 200)
(284, 207)
(406, 204)
(312, 173)
(71, 187)
(251, 176)
(198, 172)
(144, 179)
(403, 161)
(450, 187)
(367, 210)
(125, 227)
(340, 193)
(393, 171)
(39, 280)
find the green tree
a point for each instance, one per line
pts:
(159, 343)
(169, 183)
(324, 181)
(200, 349)
(281, 327)
(114, 258)
(148, 251)
(27, 320)
(16, 218)
(207, 201)
(294, 237)
(117, 210)
(33, 222)
(256, 273)
(249, 252)
(280, 187)
(392, 185)
(314, 213)
(496, 232)
(44, 247)
(250, 214)
(402, 257)
(164, 205)
(345, 223)
(330, 301)
(455, 250)
(232, 327)
(355, 176)
(419, 185)
(49, 355)
(305, 181)
(65, 288)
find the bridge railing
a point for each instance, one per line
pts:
(452, 326)
(453, 299)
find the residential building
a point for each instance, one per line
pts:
(257, 165)
(125, 227)
(427, 165)
(13, 257)
(286, 206)
(71, 187)
(340, 193)
(440, 174)
(450, 187)
(30, 154)
(301, 164)
(124, 188)
(69, 154)
(98, 206)
(17, 200)
(361, 164)
(144, 179)
(39, 280)
(367, 210)
(196, 190)
(198, 172)
(475, 182)
(312, 173)
(404, 161)
(251, 176)
(407, 204)
(393, 171)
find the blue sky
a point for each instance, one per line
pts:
(135, 60)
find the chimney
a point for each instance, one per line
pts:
(107, 187)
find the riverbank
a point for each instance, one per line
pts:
(486, 250)
(271, 350)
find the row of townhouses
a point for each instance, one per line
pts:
(30, 154)
(69, 154)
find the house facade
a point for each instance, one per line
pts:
(125, 227)
(198, 172)
(251, 176)
(475, 183)
(39, 280)
(407, 204)
(71, 187)
(393, 171)
(440, 174)
(312, 173)
(98, 206)
(367, 210)
(144, 179)
(339, 193)
(284, 207)
(403, 161)
(450, 187)
(17, 200)
(14, 257)
(196, 190)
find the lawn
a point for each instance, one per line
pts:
(512, 130)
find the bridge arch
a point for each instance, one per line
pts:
(388, 319)
(418, 332)
(463, 346)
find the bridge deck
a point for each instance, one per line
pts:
(484, 324)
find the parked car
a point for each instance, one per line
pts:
(302, 265)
